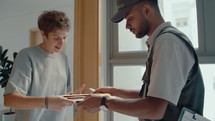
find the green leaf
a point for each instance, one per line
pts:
(3, 80)
(5, 66)
(1, 49)
(14, 55)
(3, 54)
(4, 84)
(4, 62)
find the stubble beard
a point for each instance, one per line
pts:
(142, 33)
(143, 29)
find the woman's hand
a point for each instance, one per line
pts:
(58, 103)
(79, 91)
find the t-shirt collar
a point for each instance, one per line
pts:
(45, 53)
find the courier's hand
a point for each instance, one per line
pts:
(107, 90)
(58, 103)
(91, 103)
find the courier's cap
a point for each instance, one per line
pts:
(123, 7)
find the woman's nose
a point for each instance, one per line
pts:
(61, 41)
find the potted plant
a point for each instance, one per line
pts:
(6, 66)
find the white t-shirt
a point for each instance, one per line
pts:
(40, 74)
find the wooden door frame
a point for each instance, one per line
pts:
(86, 50)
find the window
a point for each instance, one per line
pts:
(127, 55)
(127, 77)
(209, 89)
(181, 13)
(181, 22)
(214, 83)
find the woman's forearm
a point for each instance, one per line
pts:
(18, 101)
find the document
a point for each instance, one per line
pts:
(189, 115)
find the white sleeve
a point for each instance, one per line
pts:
(172, 62)
(20, 78)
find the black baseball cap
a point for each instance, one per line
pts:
(123, 7)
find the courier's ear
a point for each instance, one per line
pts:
(146, 9)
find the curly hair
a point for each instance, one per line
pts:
(49, 21)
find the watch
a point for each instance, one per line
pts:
(104, 106)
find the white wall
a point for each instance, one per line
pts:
(17, 17)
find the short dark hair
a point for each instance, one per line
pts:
(49, 21)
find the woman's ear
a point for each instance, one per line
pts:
(43, 34)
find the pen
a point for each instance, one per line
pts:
(92, 90)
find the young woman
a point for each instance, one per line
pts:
(41, 75)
